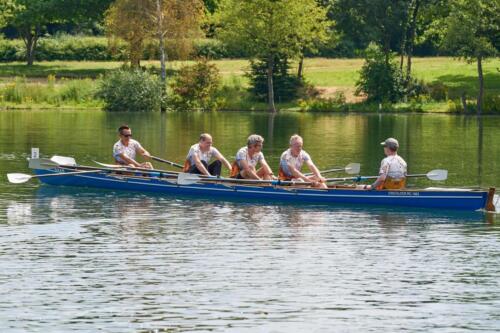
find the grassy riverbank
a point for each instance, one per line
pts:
(72, 84)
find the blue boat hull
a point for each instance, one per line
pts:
(456, 200)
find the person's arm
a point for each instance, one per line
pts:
(200, 165)
(128, 160)
(266, 166)
(221, 158)
(381, 178)
(315, 171)
(141, 151)
(248, 169)
(296, 173)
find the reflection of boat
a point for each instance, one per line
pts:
(157, 182)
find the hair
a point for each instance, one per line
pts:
(253, 139)
(123, 127)
(205, 136)
(295, 137)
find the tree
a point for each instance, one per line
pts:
(138, 21)
(129, 21)
(268, 29)
(30, 17)
(473, 33)
(365, 21)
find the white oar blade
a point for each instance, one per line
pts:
(353, 168)
(187, 179)
(437, 174)
(63, 160)
(18, 178)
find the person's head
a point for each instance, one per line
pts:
(254, 143)
(296, 144)
(125, 132)
(390, 145)
(205, 141)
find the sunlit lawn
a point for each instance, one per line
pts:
(322, 72)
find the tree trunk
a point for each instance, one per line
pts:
(163, 74)
(481, 86)
(387, 49)
(411, 39)
(463, 98)
(30, 38)
(270, 88)
(301, 67)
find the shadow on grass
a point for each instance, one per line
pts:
(469, 84)
(62, 71)
(46, 70)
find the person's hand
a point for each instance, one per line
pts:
(322, 179)
(368, 187)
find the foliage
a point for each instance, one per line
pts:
(335, 103)
(196, 87)
(7, 9)
(31, 17)
(286, 86)
(438, 91)
(366, 21)
(380, 80)
(473, 29)
(64, 92)
(137, 23)
(492, 103)
(130, 90)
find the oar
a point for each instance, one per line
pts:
(188, 179)
(437, 174)
(129, 168)
(167, 162)
(351, 169)
(18, 178)
(192, 178)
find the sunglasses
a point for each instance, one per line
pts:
(127, 135)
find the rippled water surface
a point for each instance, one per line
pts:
(86, 260)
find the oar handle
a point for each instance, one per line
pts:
(177, 165)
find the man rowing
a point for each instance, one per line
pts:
(247, 158)
(199, 156)
(392, 174)
(293, 159)
(125, 150)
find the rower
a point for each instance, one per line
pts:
(247, 159)
(199, 156)
(126, 148)
(291, 164)
(393, 169)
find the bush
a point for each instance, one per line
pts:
(491, 103)
(379, 80)
(336, 103)
(196, 87)
(438, 91)
(130, 90)
(68, 92)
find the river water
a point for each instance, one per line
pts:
(86, 260)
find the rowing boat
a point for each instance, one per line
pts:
(439, 198)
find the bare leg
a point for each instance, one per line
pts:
(264, 173)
